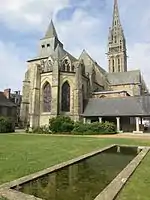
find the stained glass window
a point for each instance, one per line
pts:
(47, 97)
(65, 106)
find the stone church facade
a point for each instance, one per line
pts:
(57, 83)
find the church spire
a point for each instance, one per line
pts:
(116, 18)
(116, 44)
(51, 31)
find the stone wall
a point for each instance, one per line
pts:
(132, 89)
(110, 94)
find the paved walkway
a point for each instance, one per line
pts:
(120, 135)
(125, 135)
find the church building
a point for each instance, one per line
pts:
(57, 83)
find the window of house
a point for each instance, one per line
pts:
(48, 45)
(43, 46)
(65, 97)
(47, 97)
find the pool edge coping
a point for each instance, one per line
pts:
(111, 191)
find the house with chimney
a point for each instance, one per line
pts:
(10, 105)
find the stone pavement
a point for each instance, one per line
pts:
(120, 135)
(125, 135)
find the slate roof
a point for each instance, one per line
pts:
(84, 52)
(124, 77)
(5, 102)
(122, 106)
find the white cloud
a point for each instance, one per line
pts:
(80, 32)
(12, 67)
(140, 59)
(29, 14)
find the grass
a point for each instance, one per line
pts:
(21, 155)
(138, 185)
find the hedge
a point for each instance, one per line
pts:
(6, 125)
(94, 128)
(64, 125)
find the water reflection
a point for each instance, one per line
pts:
(83, 180)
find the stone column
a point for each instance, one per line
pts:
(137, 126)
(100, 119)
(118, 124)
(84, 120)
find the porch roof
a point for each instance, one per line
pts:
(121, 106)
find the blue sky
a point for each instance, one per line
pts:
(80, 24)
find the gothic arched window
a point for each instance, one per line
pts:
(72, 68)
(65, 97)
(47, 97)
(113, 65)
(119, 64)
(83, 98)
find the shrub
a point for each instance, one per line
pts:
(42, 130)
(109, 127)
(6, 125)
(61, 124)
(94, 128)
(80, 128)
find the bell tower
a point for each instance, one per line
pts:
(117, 56)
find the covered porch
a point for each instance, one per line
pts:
(128, 113)
(123, 124)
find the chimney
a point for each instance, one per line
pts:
(7, 93)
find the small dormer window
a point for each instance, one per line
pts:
(48, 45)
(43, 46)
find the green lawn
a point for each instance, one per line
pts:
(24, 154)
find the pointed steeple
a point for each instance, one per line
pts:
(51, 31)
(117, 56)
(116, 18)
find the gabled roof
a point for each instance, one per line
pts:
(122, 106)
(5, 102)
(128, 77)
(51, 31)
(84, 54)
